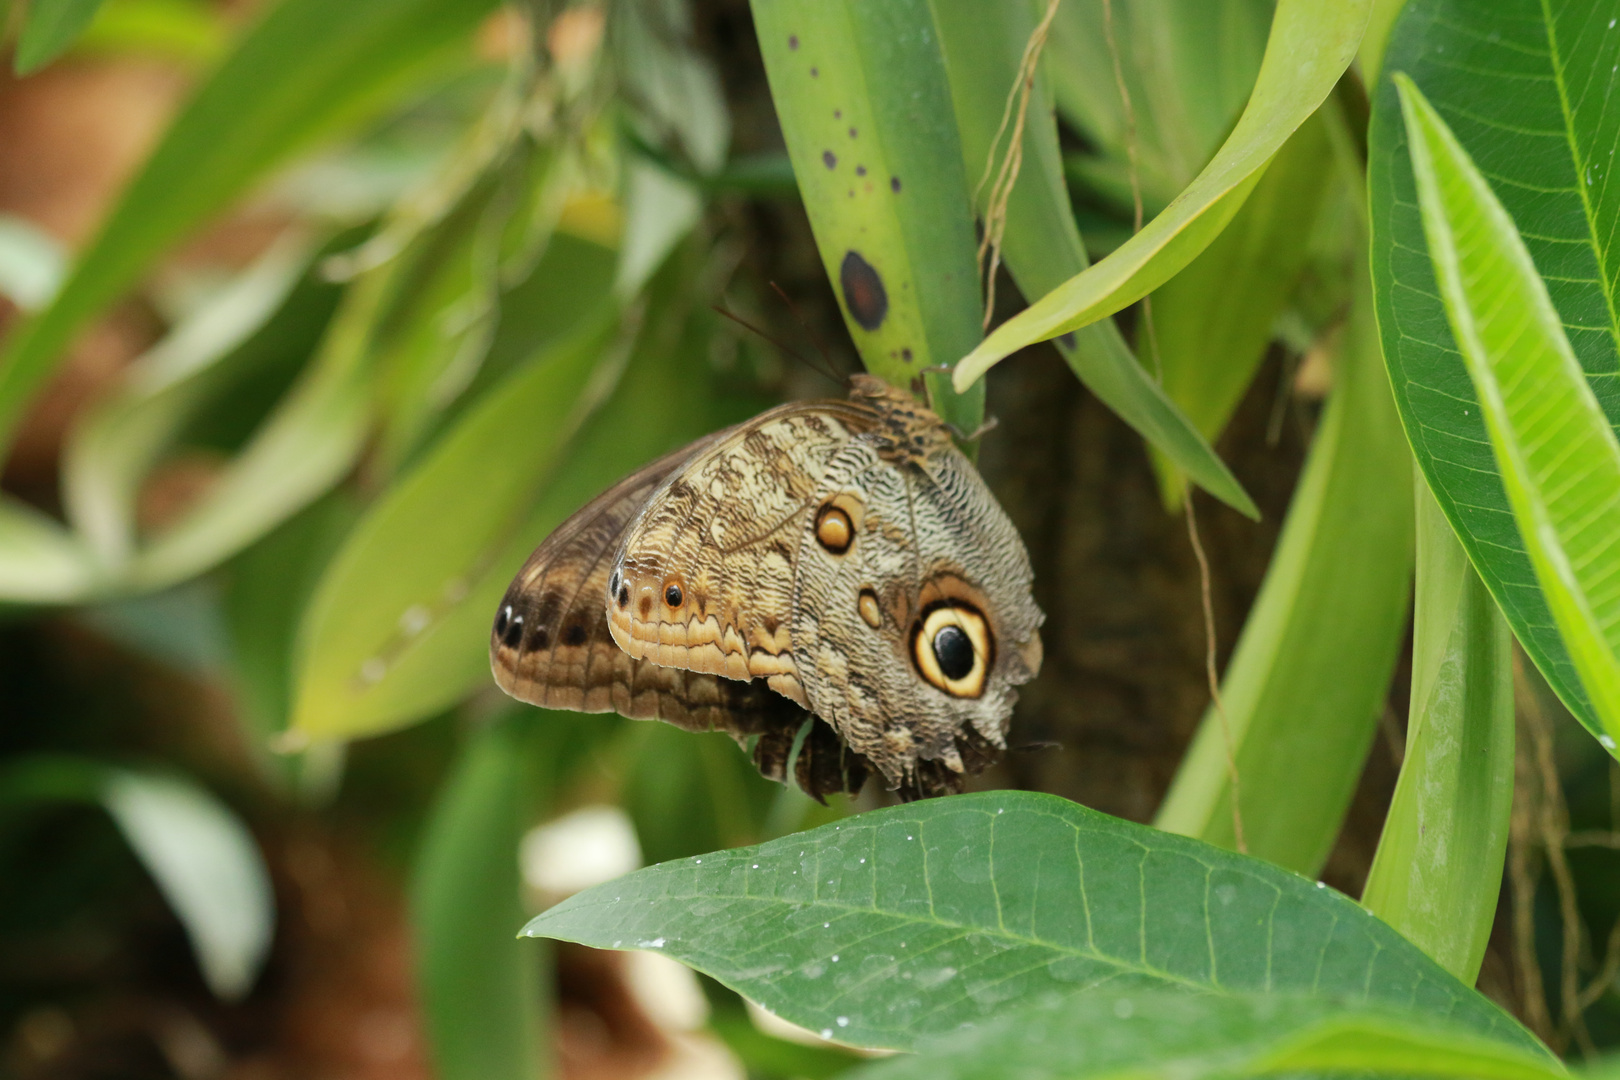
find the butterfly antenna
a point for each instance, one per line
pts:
(745, 324)
(826, 357)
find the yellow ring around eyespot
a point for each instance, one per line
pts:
(973, 625)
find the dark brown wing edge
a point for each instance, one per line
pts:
(550, 647)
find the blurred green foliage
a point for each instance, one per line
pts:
(245, 616)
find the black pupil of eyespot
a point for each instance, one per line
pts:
(624, 595)
(954, 652)
(672, 596)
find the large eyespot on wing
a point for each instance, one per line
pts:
(953, 648)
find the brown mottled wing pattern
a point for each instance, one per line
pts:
(704, 580)
(550, 644)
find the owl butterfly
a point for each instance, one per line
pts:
(836, 558)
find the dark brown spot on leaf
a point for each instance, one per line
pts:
(814, 72)
(829, 159)
(793, 41)
(864, 294)
(860, 170)
(894, 183)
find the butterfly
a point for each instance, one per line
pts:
(831, 583)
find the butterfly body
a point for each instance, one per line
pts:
(840, 557)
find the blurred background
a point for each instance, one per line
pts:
(319, 316)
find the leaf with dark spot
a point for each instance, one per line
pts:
(864, 294)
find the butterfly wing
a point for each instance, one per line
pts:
(550, 644)
(703, 581)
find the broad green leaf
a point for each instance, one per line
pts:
(1558, 456)
(1212, 322)
(49, 27)
(1437, 873)
(1310, 46)
(413, 557)
(1186, 1036)
(202, 857)
(1041, 244)
(1522, 85)
(1301, 706)
(308, 69)
(266, 589)
(481, 990)
(1188, 66)
(368, 661)
(863, 99)
(905, 923)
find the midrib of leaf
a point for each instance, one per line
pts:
(1555, 58)
(962, 931)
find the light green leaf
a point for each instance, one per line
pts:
(202, 857)
(1212, 322)
(1523, 86)
(32, 263)
(41, 562)
(1188, 66)
(1310, 46)
(112, 448)
(905, 923)
(48, 29)
(208, 867)
(1303, 708)
(309, 69)
(1154, 1034)
(864, 102)
(1437, 873)
(481, 989)
(413, 558)
(982, 46)
(190, 31)
(1559, 458)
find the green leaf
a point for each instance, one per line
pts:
(1559, 457)
(41, 562)
(202, 857)
(1310, 46)
(1522, 87)
(369, 607)
(1302, 708)
(1186, 1036)
(982, 46)
(191, 32)
(863, 99)
(113, 446)
(908, 922)
(309, 69)
(413, 558)
(481, 989)
(1437, 873)
(49, 27)
(1212, 322)
(32, 263)
(1188, 66)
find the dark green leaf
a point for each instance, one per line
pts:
(903, 923)
(1523, 87)
(481, 989)
(1186, 1036)
(48, 29)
